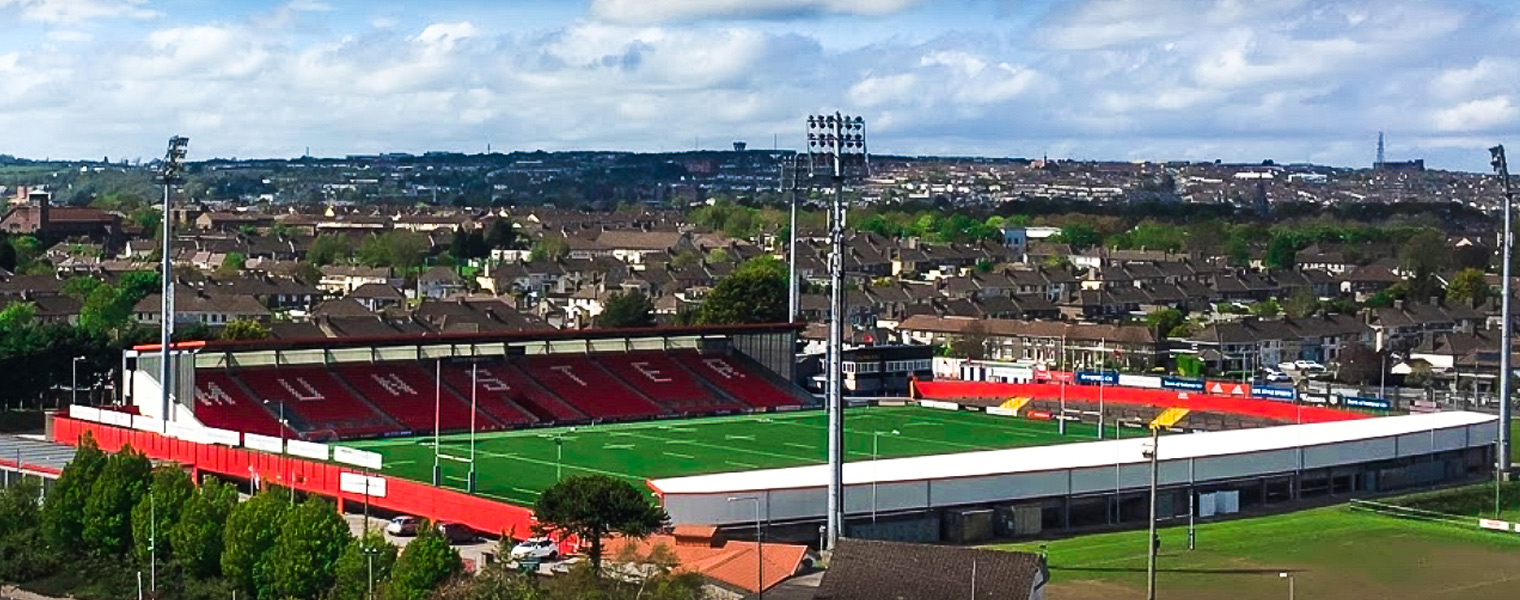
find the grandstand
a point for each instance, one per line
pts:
(399, 386)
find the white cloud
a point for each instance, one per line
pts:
(74, 11)
(661, 11)
(1476, 115)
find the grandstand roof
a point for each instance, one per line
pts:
(483, 338)
(1071, 456)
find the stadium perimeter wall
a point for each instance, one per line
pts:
(309, 476)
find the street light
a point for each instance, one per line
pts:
(836, 144)
(759, 545)
(369, 554)
(74, 388)
(1289, 577)
(1151, 452)
(559, 452)
(474, 368)
(172, 173)
(875, 456)
(283, 426)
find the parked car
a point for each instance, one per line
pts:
(456, 533)
(402, 526)
(1275, 376)
(538, 547)
(1309, 365)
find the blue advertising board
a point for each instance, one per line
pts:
(1096, 377)
(1273, 393)
(1360, 402)
(1178, 383)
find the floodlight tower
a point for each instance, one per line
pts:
(172, 173)
(837, 145)
(1506, 329)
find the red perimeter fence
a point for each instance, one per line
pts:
(1269, 409)
(401, 495)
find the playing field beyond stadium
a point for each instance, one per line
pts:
(516, 466)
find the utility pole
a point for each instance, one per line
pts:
(836, 142)
(1502, 460)
(793, 291)
(171, 174)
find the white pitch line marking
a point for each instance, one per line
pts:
(677, 455)
(742, 465)
(802, 446)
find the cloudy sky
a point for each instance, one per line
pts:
(1240, 80)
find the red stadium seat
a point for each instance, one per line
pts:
(493, 395)
(733, 376)
(314, 398)
(222, 403)
(410, 396)
(667, 382)
(588, 387)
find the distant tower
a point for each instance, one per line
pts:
(740, 146)
(1380, 158)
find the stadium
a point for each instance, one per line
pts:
(700, 415)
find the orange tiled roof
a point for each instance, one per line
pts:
(733, 563)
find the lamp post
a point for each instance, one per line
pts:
(369, 555)
(759, 545)
(1150, 568)
(74, 387)
(836, 143)
(1501, 167)
(1383, 379)
(474, 378)
(172, 173)
(1289, 577)
(875, 456)
(437, 410)
(793, 293)
(283, 426)
(559, 453)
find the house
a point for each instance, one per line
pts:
(193, 305)
(1252, 343)
(1324, 258)
(343, 279)
(475, 315)
(377, 296)
(439, 282)
(233, 221)
(50, 308)
(874, 570)
(736, 566)
(1407, 325)
(1368, 280)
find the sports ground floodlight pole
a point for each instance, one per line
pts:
(172, 173)
(1501, 460)
(437, 407)
(793, 293)
(833, 140)
(474, 367)
(1150, 568)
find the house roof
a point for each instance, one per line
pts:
(1126, 334)
(876, 570)
(376, 291)
(734, 563)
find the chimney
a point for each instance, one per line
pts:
(43, 202)
(1437, 301)
(1401, 304)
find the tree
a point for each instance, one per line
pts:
(425, 562)
(63, 508)
(232, 264)
(971, 343)
(502, 235)
(1425, 252)
(328, 249)
(104, 309)
(1164, 320)
(753, 293)
(1190, 366)
(244, 329)
(591, 507)
(1359, 365)
(626, 309)
(549, 248)
(305, 554)
(1079, 236)
(250, 534)
(352, 575)
(1301, 303)
(1469, 286)
(1268, 308)
(108, 513)
(159, 510)
(197, 536)
(18, 314)
(1282, 252)
(7, 255)
(308, 273)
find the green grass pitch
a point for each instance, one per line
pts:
(1331, 553)
(517, 466)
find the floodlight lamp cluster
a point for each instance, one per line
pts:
(836, 133)
(1498, 161)
(173, 170)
